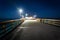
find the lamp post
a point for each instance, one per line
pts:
(21, 12)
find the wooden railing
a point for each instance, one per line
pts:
(7, 26)
(51, 21)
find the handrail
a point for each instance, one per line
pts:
(51, 21)
(9, 21)
(7, 28)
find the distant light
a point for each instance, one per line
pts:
(35, 16)
(29, 18)
(26, 14)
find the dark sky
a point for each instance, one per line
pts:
(42, 8)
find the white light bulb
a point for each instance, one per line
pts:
(20, 10)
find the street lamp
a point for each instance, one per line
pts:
(21, 12)
(26, 14)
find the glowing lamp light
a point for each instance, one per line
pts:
(29, 18)
(20, 10)
(26, 14)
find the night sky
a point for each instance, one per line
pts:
(42, 8)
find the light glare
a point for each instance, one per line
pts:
(26, 14)
(20, 10)
(35, 16)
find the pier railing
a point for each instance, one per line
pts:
(51, 21)
(7, 26)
